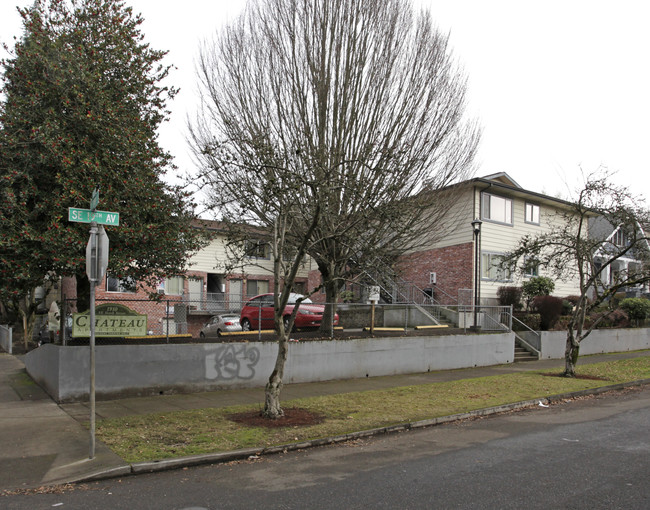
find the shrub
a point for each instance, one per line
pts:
(562, 324)
(538, 286)
(637, 309)
(510, 296)
(532, 320)
(615, 319)
(347, 296)
(567, 307)
(549, 309)
(573, 299)
(617, 299)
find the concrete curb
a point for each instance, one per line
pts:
(217, 458)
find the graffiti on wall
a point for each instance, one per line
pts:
(229, 362)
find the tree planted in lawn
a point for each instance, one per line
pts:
(602, 228)
(361, 99)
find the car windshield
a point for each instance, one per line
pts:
(294, 297)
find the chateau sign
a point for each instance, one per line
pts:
(110, 320)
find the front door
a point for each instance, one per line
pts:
(235, 295)
(195, 288)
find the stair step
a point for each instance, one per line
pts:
(522, 354)
(525, 357)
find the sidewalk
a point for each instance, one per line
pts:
(42, 443)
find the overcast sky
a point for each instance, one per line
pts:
(557, 85)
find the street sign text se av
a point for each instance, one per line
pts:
(88, 216)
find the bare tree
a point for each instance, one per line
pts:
(366, 101)
(341, 115)
(604, 225)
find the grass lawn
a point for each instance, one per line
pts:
(167, 435)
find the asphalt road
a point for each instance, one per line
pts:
(592, 453)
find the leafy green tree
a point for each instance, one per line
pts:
(82, 100)
(537, 286)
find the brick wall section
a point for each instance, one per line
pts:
(313, 281)
(454, 266)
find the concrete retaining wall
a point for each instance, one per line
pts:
(598, 342)
(6, 338)
(123, 370)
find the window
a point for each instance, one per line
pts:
(496, 208)
(254, 287)
(490, 269)
(299, 287)
(174, 285)
(531, 268)
(532, 214)
(257, 249)
(115, 284)
(618, 238)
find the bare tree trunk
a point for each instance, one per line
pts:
(272, 408)
(331, 297)
(571, 354)
(27, 331)
(27, 310)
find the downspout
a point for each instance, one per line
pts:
(477, 271)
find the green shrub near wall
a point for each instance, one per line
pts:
(637, 309)
(532, 320)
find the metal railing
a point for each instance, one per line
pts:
(166, 318)
(215, 302)
(525, 342)
(485, 318)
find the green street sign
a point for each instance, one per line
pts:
(94, 200)
(88, 216)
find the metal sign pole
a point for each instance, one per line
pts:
(93, 281)
(96, 264)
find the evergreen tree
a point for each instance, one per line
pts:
(82, 100)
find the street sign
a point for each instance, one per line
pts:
(88, 216)
(97, 255)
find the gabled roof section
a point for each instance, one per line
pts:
(502, 183)
(502, 178)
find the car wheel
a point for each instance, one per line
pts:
(218, 332)
(245, 325)
(286, 323)
(202, 335)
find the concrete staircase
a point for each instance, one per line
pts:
(522, 354)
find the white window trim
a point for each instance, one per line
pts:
(252, 247)
(529, 274)
(120, 288)
(485, 194)
(257, 285)
(182, 286)
(539, 213)
(508, 276)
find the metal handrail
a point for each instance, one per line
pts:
(523, 341)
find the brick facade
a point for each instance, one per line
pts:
(453, 265)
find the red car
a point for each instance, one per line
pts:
(309, 315)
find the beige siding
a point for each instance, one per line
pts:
(500, 238)
(213, 258)
(455, 227)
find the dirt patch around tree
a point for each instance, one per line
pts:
(293, 417)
